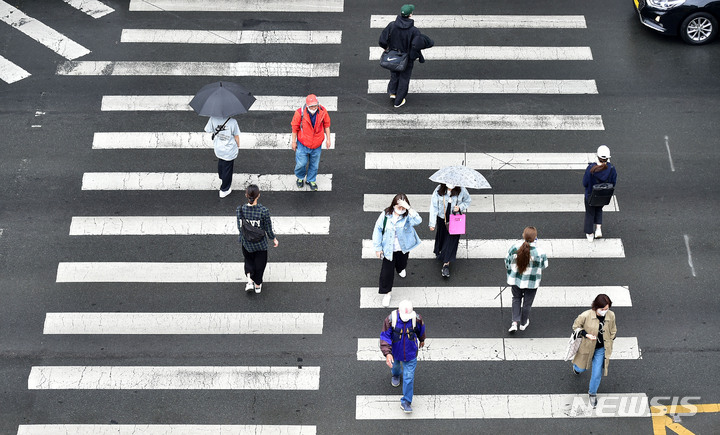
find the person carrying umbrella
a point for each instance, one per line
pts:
(446, 199)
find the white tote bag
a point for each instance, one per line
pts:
(573, 345)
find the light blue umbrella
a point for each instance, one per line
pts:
(460, 175)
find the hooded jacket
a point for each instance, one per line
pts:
(404, 346)
(311, 137)
(608, 175)
(399, 35)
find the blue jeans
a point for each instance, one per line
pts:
(306, 162)
(408, 377)
(598, 362)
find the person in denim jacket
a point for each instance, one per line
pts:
(446, 199)
(393, 238)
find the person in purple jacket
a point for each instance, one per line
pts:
(601, 172)
(402, 330)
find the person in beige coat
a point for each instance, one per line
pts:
(598, 329)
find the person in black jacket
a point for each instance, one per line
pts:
(400, 35)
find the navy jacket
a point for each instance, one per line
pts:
(402, 36)
(609, 175)
(403, 342)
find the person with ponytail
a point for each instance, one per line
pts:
(255, 226)
(524, 265)
(601, 172)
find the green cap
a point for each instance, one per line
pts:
(406, 10)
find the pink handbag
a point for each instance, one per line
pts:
(456, 224)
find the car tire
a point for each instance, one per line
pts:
(699, 28)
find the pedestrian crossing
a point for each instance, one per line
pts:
(180, 36)
(164, 429)
(94, 8)
(169, 103)
(499, 53)
(212, 69)
(507, 86)
(491, 161)
(447, 121)
(189, 140)
(303, 6)
(193, 181)
(464, 21)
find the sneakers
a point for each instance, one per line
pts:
(589, 237)
(523, 327)
(445, 271)
(402, 273)
(593, 400)
(225, 193)
(386, 300)
(513, 328)
(258, 288)
(405, 407)
(299, 183)
(313, 186)
(401, 103)
(392, 96)
(598, 232)
(250, 285)
(395, 381)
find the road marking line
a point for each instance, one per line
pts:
(193, 181)
(245, 69)
(94, 8)
(188, 140)
(500, 203)
(162, 429)
(690, 260)
(495, 349)
(486, 406)
(189, 225)
(273, 103)
(487, 21)
(447, 121)
(487, 297)
(185, 272)
(41, 33)
(180, 36)
(498, 53)
(183, 323)
(667, 145)
(427, 86)
(497, 248)
(480, 161)
(173, 378)
(11, 73)
(238, 5)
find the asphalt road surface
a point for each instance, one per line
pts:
(121, 295)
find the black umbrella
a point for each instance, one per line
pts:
(222, 99)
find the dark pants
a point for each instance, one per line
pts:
(399, 83)
(255, 263)
(527, 296)
(446, 244)
(225, 173)
(387, 273)
(593, 215)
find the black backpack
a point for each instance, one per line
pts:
(251, 233)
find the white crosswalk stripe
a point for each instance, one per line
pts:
(495, 349)
(497, 248)
(173, 378)
(150, 68)
(163, 429)
(480, 161)
(189, 225)
(506, 86)
(180, 36)
(11, 73)
(447, 121)
(273, 103)
(193, 181)
(487, 21)
(183, 323)
(41, 33)
(189, 140)
(494, 297)
(499, 53)
(185, 272)
(94, 8)
(239, 5)
(492, 406)
(500, 203)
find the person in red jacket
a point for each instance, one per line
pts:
(310, 127)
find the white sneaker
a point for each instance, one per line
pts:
(598, 233)
(513, 327)
(589, 237)
(249, 286)
(523, 327)
(402, 273)
(386, 300)
(401, 103)
(258, 288)
(225, 193)
(392, 96)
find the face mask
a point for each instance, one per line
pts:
(312, 111)
(601, 312)
(399, 210)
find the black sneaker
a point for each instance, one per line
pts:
(575, 372)
(446, 271)
(313, 186)
(300, 183)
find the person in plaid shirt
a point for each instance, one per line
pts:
(255, 253)
(524, 265)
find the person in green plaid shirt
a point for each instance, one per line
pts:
(255, 253)
(524, 265)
